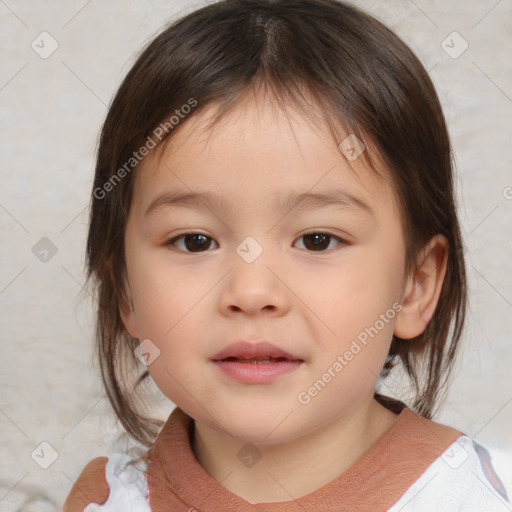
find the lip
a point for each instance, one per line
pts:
(239, 361)
(259, 350)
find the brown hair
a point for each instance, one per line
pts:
(326, 58)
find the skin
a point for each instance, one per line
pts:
(310, 303)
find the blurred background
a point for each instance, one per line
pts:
(61, 64)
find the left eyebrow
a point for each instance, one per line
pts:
(290, 202)
(310, 200)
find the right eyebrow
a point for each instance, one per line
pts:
(183, 200)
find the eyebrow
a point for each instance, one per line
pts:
(290, 202)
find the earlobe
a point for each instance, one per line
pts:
(128, 317)
(422, 289)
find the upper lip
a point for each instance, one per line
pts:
(253, 350)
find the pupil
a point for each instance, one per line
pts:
(318, 238)
(198, 244)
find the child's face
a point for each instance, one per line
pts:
(202, 294)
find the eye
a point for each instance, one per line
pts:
(319, 241)
(198, 242)
(193, 242)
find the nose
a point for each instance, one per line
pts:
(255, 288)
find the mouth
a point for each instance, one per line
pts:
(255, 363)
(265, 360)
(260, 351)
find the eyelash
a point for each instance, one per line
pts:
(173, 240)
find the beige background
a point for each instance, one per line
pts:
(51, 110)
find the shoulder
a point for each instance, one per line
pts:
(90, 487)
(462, 478)
(477, 475)
(112, 482)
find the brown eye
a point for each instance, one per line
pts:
(197, 242)
(192, 242)
(318, 241)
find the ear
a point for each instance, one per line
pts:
(422, 289)
(128, 315)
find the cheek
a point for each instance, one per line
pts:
(164, 294)
(174, 330)
(168, 303)
(356, 312)
(353, 296)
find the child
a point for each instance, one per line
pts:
(272, 231)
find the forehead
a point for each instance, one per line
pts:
(258, 148)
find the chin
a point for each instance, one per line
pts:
(260, 429)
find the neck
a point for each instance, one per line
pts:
(280, 474)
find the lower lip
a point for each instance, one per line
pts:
(257, 373)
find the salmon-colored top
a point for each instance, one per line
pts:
(178, 482)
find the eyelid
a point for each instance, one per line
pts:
(341, 241)
(324, 232)
(170, 241)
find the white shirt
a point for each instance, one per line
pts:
(461, 479)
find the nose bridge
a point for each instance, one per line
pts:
(250, 250)
(253, 283)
